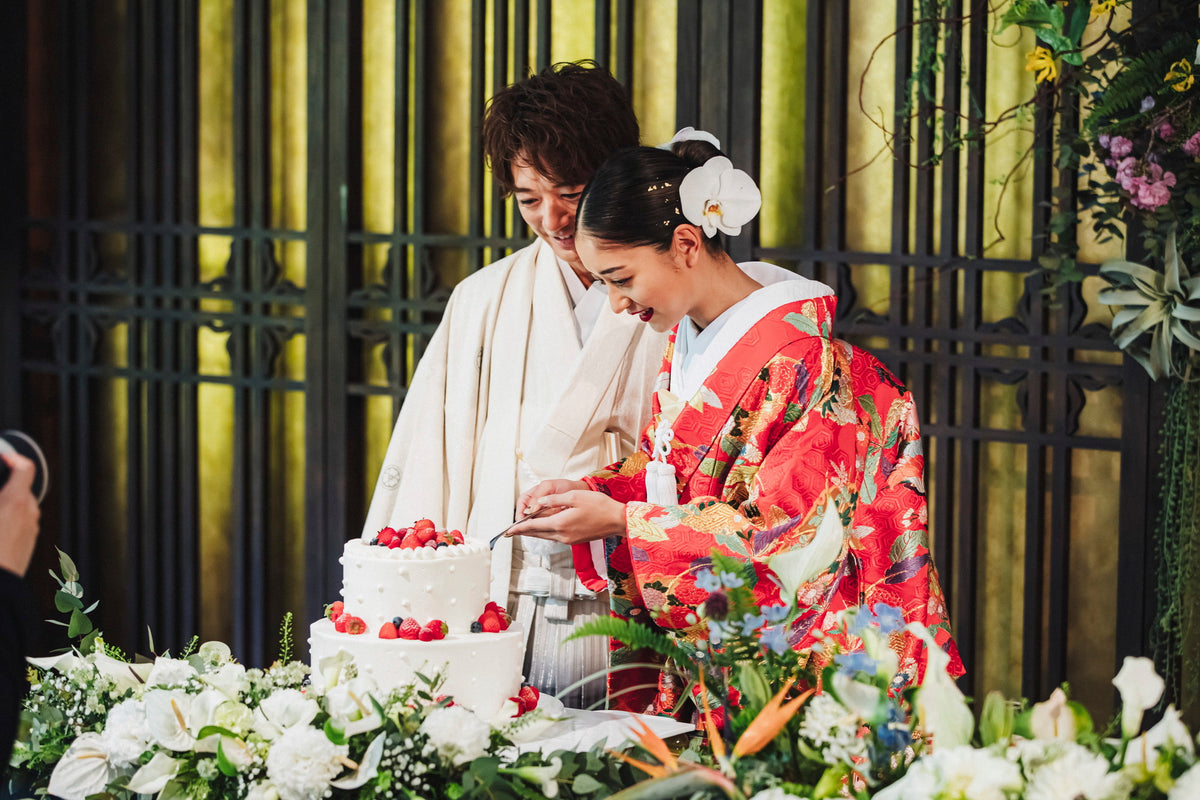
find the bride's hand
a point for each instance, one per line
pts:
(580, 515)
(531, 500)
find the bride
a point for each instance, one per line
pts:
(763, 424)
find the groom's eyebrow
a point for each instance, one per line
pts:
(612, 269)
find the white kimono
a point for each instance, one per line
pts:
(506, 395)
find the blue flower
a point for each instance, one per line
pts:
(862, 618)
(894, 736)
(732, 580)
(890, 618)
(717, 631)
(774, 614)
(851, 664)
(773, 639)
(751, 622)
(707, 581)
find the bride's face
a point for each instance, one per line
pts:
(641, 281)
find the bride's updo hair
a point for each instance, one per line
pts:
(633, 199)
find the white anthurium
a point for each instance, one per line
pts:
(204, 712)
(942, 710)
(1140, 687)
(350, 705)
(368, 766)
(167, 712)
(63, 662)
(1053, 719)
(864, 700)
(799, 565)
(331, 668)
(1169, 734)
(83, 770)
(153, 777)
(126, 676)
(235, 752)
(718, 197)
(1187, 785)
(283, 710)
(546, 778)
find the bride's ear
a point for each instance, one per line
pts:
(687, 243)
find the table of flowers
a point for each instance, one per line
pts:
(201, 725)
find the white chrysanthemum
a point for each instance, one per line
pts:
(458, 734)
(962, 772)
(126, 735)
(1187, 787)
(775, 793)
(170, 672)
(1078, 774)
(1032, 753)
(302, 762)
(832, 729)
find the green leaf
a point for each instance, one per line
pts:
(79, 625)
(65, 602)
(997, 719)
(69, 572)
(754, 685)
(585, 784)
(223, 763)
(335, 731)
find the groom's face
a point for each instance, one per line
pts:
(548, 208)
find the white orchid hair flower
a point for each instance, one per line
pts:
(718, 197)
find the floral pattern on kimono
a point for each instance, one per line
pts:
(789, 417)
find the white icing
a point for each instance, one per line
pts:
(377, 588)
(393, 662)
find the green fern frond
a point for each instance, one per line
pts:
(1142, 76)
(636, 636)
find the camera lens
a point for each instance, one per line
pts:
(19, 443)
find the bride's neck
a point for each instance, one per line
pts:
(723, 285)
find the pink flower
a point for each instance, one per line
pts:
(1125, 172)
(1165, 131)
(1120, 146)
(1104, 139)
(1151, 195)
(1192, 145)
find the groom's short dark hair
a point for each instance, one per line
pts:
(564, 122)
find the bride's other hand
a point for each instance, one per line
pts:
(531, 501)
(581, 515)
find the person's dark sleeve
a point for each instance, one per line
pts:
(16, 637)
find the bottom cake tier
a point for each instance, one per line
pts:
(481, 670)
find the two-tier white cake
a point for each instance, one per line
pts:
(382, 585)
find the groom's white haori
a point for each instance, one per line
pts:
(506, 395)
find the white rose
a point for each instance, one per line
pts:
(458, 734)
(303, 761)
(229, 679)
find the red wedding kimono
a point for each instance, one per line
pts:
(788, 413)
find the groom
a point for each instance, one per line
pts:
(529, 376)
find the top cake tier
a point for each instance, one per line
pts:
(447, 583)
